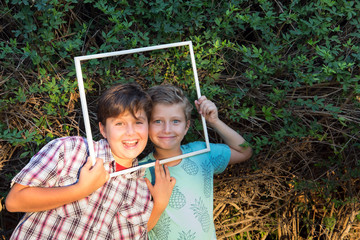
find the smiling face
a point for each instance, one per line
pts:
(167, 129)
(127, 136)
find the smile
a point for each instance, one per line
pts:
(166, 137)
(131, 143)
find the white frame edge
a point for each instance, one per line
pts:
(123, 52)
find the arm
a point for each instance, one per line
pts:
(161, 192)
(233, 139)
(34, 199)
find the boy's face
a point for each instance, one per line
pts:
(126, 135)
(168, 126)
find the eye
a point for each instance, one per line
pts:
(119, 124)
(139, 122)
(157, 121)
(176, 121)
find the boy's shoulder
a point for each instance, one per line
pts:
(199, 145)
(67, 140)
(68, 144)
(193, 146)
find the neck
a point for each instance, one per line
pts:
(124, 162)
(160, 154)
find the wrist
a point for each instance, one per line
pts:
(215, 123)
(160, 206)
(80, 191)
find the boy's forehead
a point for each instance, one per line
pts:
(177, 108)
(166, 104)
(140, 113)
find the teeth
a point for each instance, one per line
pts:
(130, 143)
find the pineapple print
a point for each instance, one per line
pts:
(186, 235)
(162, 233)
(186, 149)
(216, 160)
(208, 180)
(201, 214)
(177, 199)
(190, 167)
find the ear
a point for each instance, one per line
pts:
(102, 130)
(187, 126)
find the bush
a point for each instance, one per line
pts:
(285, 75)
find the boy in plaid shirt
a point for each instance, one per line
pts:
(65, 197)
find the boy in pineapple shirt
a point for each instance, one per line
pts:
(189, 214)
(65, 197)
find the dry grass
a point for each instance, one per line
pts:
(264, 204)
(256, 200)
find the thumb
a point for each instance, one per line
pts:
(88, 163)
(98, 161)
(197, 105)
(173, 181)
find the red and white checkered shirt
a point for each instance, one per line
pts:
(120, 209)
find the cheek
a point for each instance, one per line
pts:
(144, 130)
(153, 129)
(151, 134)
(182, 130)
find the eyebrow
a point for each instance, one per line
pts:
(141, 118)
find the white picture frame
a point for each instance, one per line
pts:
(85, 112)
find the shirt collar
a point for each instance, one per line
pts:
(104, 152)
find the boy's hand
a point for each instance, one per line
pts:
(92, 177)
(162, 189)
(207, 109)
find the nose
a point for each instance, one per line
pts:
(130, 129)
(167, 127)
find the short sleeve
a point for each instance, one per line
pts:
(43, 167)
(219, 157)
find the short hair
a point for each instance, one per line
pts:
(169, 94)
(123, 97)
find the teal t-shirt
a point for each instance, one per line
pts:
(189, 214)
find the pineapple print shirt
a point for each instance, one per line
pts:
(189, 214)
(120, 209)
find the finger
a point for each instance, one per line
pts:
(158, 170)
(208, 109)
(197, 105)
(203, 108)
(99, 160)
(98, 163)
(199, 102)
(172, 181)
(205, 103)
(167, 173)
(149, 185)
(200, 108)
(162, 170)
(88, 163)
(201, 99)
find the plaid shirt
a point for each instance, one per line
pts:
(120, 209)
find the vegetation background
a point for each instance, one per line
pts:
(285, 74)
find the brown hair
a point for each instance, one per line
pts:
(123, 97)
(169, 94)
